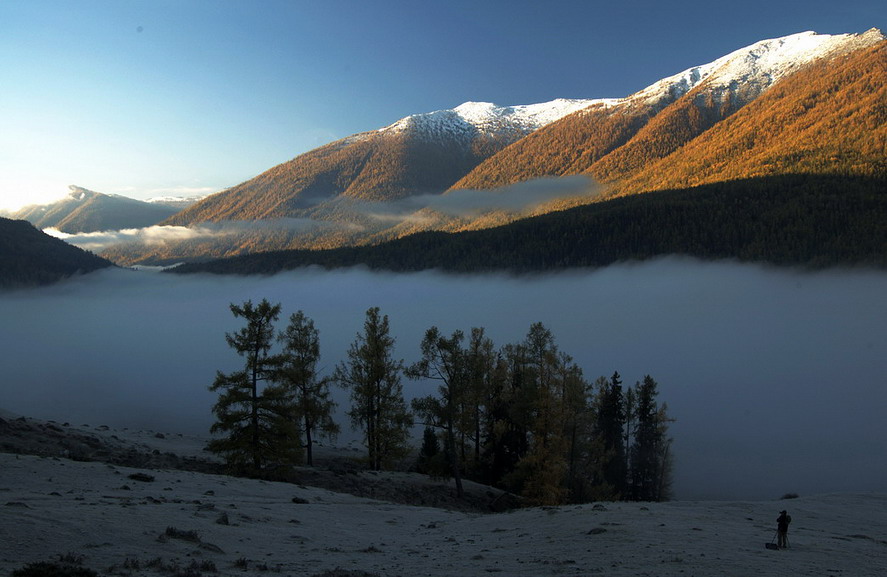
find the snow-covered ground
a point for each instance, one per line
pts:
(119, 525)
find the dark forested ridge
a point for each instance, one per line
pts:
(790, 220)
(29, 257)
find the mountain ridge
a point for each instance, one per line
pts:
(703, 94)
(421, 153)
(355, 190)
(84, 210)
(450, 149)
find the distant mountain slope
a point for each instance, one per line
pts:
(611, 142)
(87, 211)
(788, 220)
(29, 257)
(420, 154)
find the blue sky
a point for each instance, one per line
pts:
(173, 97)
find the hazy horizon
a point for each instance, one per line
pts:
(775, 377)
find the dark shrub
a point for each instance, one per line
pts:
(47, 569)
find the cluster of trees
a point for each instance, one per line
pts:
(269, 412)
(521, 417)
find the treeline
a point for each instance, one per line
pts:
(792, 220)
(29, 257)
(521, 417)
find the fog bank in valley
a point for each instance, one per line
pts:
(777, 379)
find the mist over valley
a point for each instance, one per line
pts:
(775, 377)
(768, 155)
(669, 223)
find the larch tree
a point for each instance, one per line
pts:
(481, 360)
(373, 377)
(255, 415)
(575, 413)
(444, 360)
(545, 464)
(298, 375)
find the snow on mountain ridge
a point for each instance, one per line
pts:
(486, 117)
(742, 74)
(756, 67)
(526, 116)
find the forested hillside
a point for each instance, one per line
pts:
(379, 166)
(793, 220)
(29, 257)
(566, 147)
(830, 118)
(827, 117)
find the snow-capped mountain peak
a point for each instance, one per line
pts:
(489, 118)
(80, 194)
(756, 67)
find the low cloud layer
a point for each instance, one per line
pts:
(520, 198)
(775, 379)
(161, 234)
(149, 236)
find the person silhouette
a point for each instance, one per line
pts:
(782, 529)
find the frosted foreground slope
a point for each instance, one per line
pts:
(51, 507)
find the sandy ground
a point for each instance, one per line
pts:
(122, 520)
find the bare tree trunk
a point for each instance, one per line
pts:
(454, 460)
(309, 444)
(257, 461)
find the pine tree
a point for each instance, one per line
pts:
(298, 375)
(430, 456)
(610, 431)
(650, 452)
(256, 415)
(630, 411)
(506, 437)
(373, 377)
